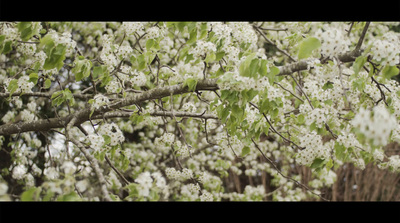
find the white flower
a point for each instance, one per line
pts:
(51, 172)
(19, 172)
(96, 141)
(8, 117)
(24, 85)
(112, 130)
(99, 100)
(139, 79)
(31, 106)
(68, 167)
(131, 27)
(145, 182)
(114, 86)
(376, 125)
(3, 188)
(172, 173)
(206, 196)
(202, 48)
(27, 116)
(333, 42)
(394, 162)
(82, 185)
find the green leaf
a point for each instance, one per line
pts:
(263, 67)
(191, 83)
(193, 36)
(33, 77)
(318, 163)
(26, 29)
(359, 63)
(141, 62)
(327, 85)
(31, 194)
(245, 151)
(82, 68)
(210, 57)
(219, 55)
(389, 71)
(2, 38)
(244, 68)
(7, 47)
(12, 86)
(149, 44)
(329, 164)
(359, 84)
(254, 66)
(47, 83)
(273, 71)
(55, 57)
(307, 46)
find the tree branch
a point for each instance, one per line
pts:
(83, 115)
(90, 158)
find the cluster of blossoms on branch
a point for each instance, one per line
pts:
(201, 111)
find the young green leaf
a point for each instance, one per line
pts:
(307, 46)
(245, 151)
(191, 83)
(12, 86)
(31, 194)
(47, 84)
(26, 30)
(359, 63)
(55, 57)
(389, 71)
(33, 77)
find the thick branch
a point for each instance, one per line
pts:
(126, 114)
(83, 115)
(302, 64)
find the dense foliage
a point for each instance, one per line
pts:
(199, 111)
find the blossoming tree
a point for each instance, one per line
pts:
(200, 111)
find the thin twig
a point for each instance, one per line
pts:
(289, 91)
(272, 43)
(301, 89)
(289, 178)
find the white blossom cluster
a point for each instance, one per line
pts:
(65, 39)
(112, 130)
(27, 49)
(243, 32)
(99, 100)
(138, 79)
(24, 85)
(333, 42)
(239, 83)
(114, 86)
(131, 27)
(386, 50)
(107, 54)
(203, 48)
(182, 175)
(376, 124)
(10, 31)
(96, 141)
(314, 148)
(154, 32)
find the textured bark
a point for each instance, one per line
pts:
(83, 115)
